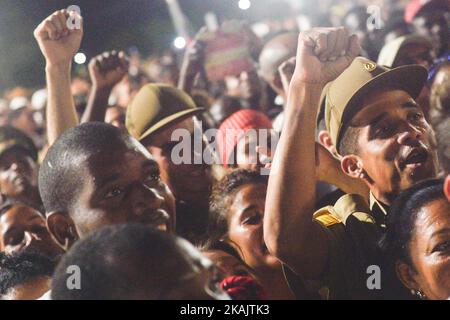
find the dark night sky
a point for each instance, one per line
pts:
(109, 24)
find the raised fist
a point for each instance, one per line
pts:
(323, 53)
(108, 69)
(57, 42)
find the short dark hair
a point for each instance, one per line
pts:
(17, 140)
(349, 141)
(220, 202)
(23, 266)
(112, 261)
(60, 172)
(402, 217)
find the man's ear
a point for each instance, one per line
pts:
(447, 187)
(352, 166)
(62, 228)
(406, 274)
(326, 141)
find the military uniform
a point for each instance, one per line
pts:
(352, 226)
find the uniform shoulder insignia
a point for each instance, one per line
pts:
(325, 217)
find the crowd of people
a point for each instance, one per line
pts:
(311, 162)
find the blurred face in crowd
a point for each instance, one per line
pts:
(415, 53)
(429, 249)
(435, 26)
(80, 91)
(22, 227)
(246, 86)
(18, 173)
(443, 74)
(245, 227)
(188, 182)
(116, 116)
(224, 107)
(274, 53)
(24, 121)
(126, 190)
(440, 90)
(396, 145)
(246, 155)
(356, 23)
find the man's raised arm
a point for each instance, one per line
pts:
(59, 44)
(289, 231)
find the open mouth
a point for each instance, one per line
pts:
(415, 158)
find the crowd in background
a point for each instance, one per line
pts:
(342, 193)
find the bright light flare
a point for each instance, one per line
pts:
(179, 43)
(80, 58)
(244, 4)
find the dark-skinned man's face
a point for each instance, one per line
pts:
(415, 53)
(396, 145)
(18, 173)
(121, 185)
(22, 227)
(435, 26)
(189, 182)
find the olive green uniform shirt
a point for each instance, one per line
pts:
(353, 228)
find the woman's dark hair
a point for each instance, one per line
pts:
(402, 218)
(220, 202)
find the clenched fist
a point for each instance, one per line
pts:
(107, 69)
(323, 53)
(57, 42)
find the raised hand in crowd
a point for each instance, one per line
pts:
(192, 63)
(322, 54)
(286, 71)
(106, 70)
(59, 44)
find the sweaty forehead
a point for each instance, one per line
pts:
(121, 158)
(381, 102)
(249, 193)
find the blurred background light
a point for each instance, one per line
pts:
(179, 43)
(80, 58)
(244, 4)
